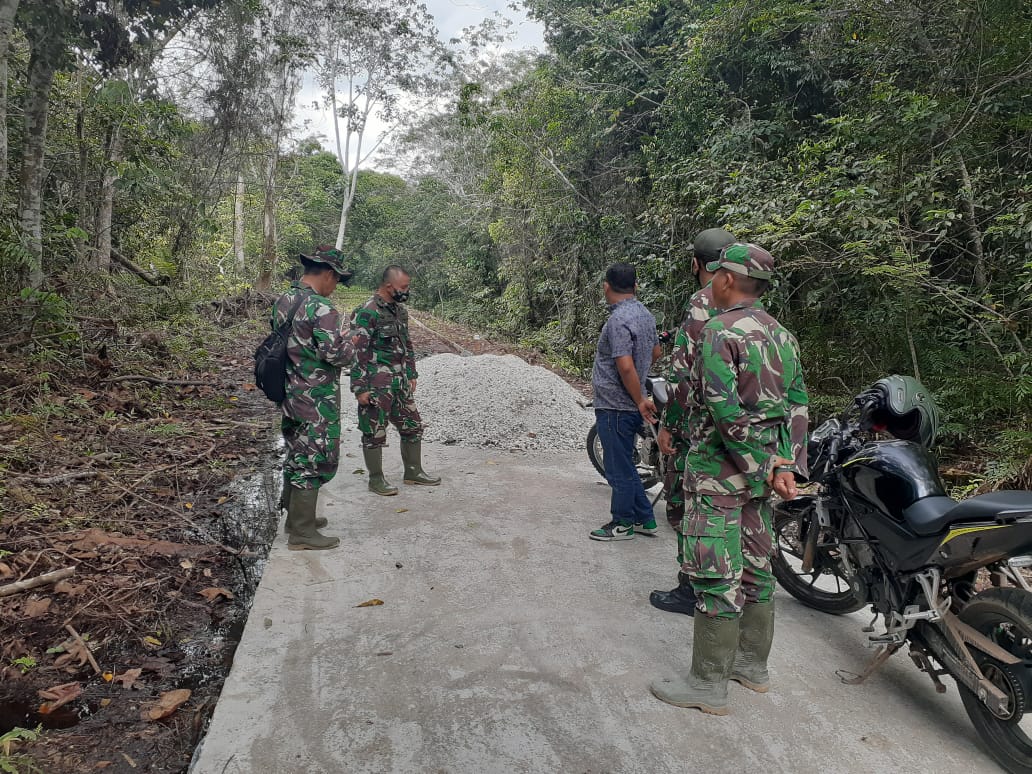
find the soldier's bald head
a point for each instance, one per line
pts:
(392, 273)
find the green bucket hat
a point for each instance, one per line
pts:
(747, 259)
(332, 257)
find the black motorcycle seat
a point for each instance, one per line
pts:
(934, 514)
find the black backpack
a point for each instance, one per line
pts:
(270, 359)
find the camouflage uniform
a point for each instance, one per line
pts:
(384, 367)
(748, 377)
(317, 349)
(679, 408)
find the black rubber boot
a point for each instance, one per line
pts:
(411, 455)
(754, 639)
(679, 600)
(713, 652)
(303, 534)
(374, 464)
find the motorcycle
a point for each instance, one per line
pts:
(880, 530)
(648, 459)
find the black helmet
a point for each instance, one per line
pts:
(901, 406)
(708, 244)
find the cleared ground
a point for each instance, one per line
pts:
(509, 642)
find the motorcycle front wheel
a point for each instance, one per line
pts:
(648, 473)
(1004, 615)
(824, 588)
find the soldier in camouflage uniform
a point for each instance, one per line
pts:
(317, 348)
(747, 442)
(673, 435)
(383, 380)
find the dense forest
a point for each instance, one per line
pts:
(152, 158)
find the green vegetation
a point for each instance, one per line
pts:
(880, 150)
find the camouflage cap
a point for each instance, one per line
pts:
(748, 259)
(708, 244)
(332, 257)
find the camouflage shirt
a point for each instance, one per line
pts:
(317, 348)
(750, 380)
(686, 347)
(384, 347)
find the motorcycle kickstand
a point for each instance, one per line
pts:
(922, 663)
(880, 658)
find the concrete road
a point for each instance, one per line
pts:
(509, 642)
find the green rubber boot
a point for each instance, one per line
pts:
(713, 652)
(303, 534)
(284, 504)
(411, 455)
(374, 464)
(754, 639)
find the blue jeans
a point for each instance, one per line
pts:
(617, 431)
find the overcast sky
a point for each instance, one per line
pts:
(452, 16)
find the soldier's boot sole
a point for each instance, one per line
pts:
(747, 683)
(428, 482)
(320, 543)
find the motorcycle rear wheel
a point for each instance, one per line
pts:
(649, 476)
(1004, 615)
(791, 521)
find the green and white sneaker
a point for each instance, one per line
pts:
(614, 530)
(648, 528)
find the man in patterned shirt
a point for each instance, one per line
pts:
(383, 380)
(317, 348)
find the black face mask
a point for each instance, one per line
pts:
(400, 296)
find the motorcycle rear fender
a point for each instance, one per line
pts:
(967, 547)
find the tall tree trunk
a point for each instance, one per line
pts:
(974, 233)
(8, 8)
(238, 222)
(30, 197)
(112, 156)
(264, 280)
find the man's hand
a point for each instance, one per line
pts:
(363, 398)
(648, 410)
(666, 442)
(412, 386)
(784, 482)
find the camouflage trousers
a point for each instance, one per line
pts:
(673, 486)
(392, 404)
(729, 544)
(313, 445)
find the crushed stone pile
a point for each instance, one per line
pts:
(497, 401)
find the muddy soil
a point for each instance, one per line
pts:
(157, 498)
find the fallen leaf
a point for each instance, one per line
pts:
(34, 608)
(371, 603)
(249, 387)
(102, 764)
(129, 677)
(213, 594)
(64, 587)
(186, 564)
(358, 471)
(73, 651)
(105, 702)
(58, 696)
(153, 642)
(402, 510)
(5, 570)
(108, 677)
(188, 506)
(221, 500)
(166, 704)
(206, 573)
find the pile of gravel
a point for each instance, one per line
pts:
(497, 401)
